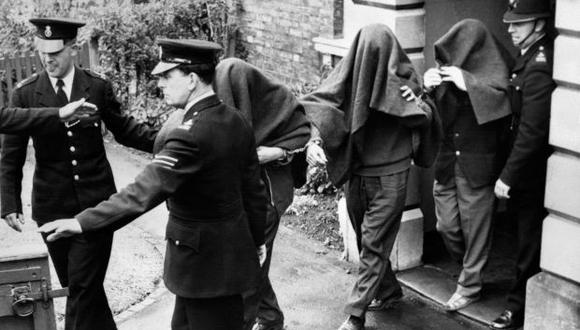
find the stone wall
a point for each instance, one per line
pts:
(553, 296)
(278, 35)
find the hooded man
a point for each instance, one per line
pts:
(364, 123)
(470, 90)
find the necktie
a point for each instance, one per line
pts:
(60, 94)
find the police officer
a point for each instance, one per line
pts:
(208, 171)
(522, 180)
(72, 171)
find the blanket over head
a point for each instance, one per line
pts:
(367, 79)
(276, 116)
(470, 46)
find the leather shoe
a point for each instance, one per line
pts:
(457, 302)
(264, 326)
(380, 304)
(507, 320)
(353, 323)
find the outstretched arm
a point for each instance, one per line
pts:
(42, 120)
(179, 159)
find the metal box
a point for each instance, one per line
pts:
(25, 290)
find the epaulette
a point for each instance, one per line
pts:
(186, 125)
(540, 55)
(27, 81)
(96, 75)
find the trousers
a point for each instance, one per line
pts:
(526, 207)
(81, 263)
(464, 220)
(375, 206)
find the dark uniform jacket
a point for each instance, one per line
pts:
(208, 172)
(29, 121)
(531, 87)
(72, 171)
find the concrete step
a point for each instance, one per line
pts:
(436, 285)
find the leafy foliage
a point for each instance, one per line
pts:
(124, 34)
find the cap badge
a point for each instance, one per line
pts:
(514, 4)
(48, 31)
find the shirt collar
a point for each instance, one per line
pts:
(525, 50)
(199, 98)
(67, 80)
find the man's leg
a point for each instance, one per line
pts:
(385, 198)
(448, 220)
(528, 208)
(87, 305)
(58, 251)
(476, 207)
(263, 304)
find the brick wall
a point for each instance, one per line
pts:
(278, 35)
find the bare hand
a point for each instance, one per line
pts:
(315, 155)
(61, 228)
(432, 78)
(262, 252)
(77, 110)
(15, 220)
(407, 93)
(501, 190)
(453, 74)
(269, 154)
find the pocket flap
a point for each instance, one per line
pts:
(182, 236)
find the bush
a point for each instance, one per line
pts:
(125, 35)
(317, 181)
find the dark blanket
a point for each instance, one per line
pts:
(470, 46)
(278, 119)
(367, 79)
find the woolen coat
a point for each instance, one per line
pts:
(29, 121)
(531, 87)
(72, 171)
(207, 169)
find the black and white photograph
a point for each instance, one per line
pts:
(289, 164)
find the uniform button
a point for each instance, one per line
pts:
(72, 149)
(69, 133)
(195, 113)
(177, 242)
(457, 153)
(517, 88)
(76, 177)
(74, 162)
(514, 75)
(541, 47)
(96, 124)
(456, 134)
